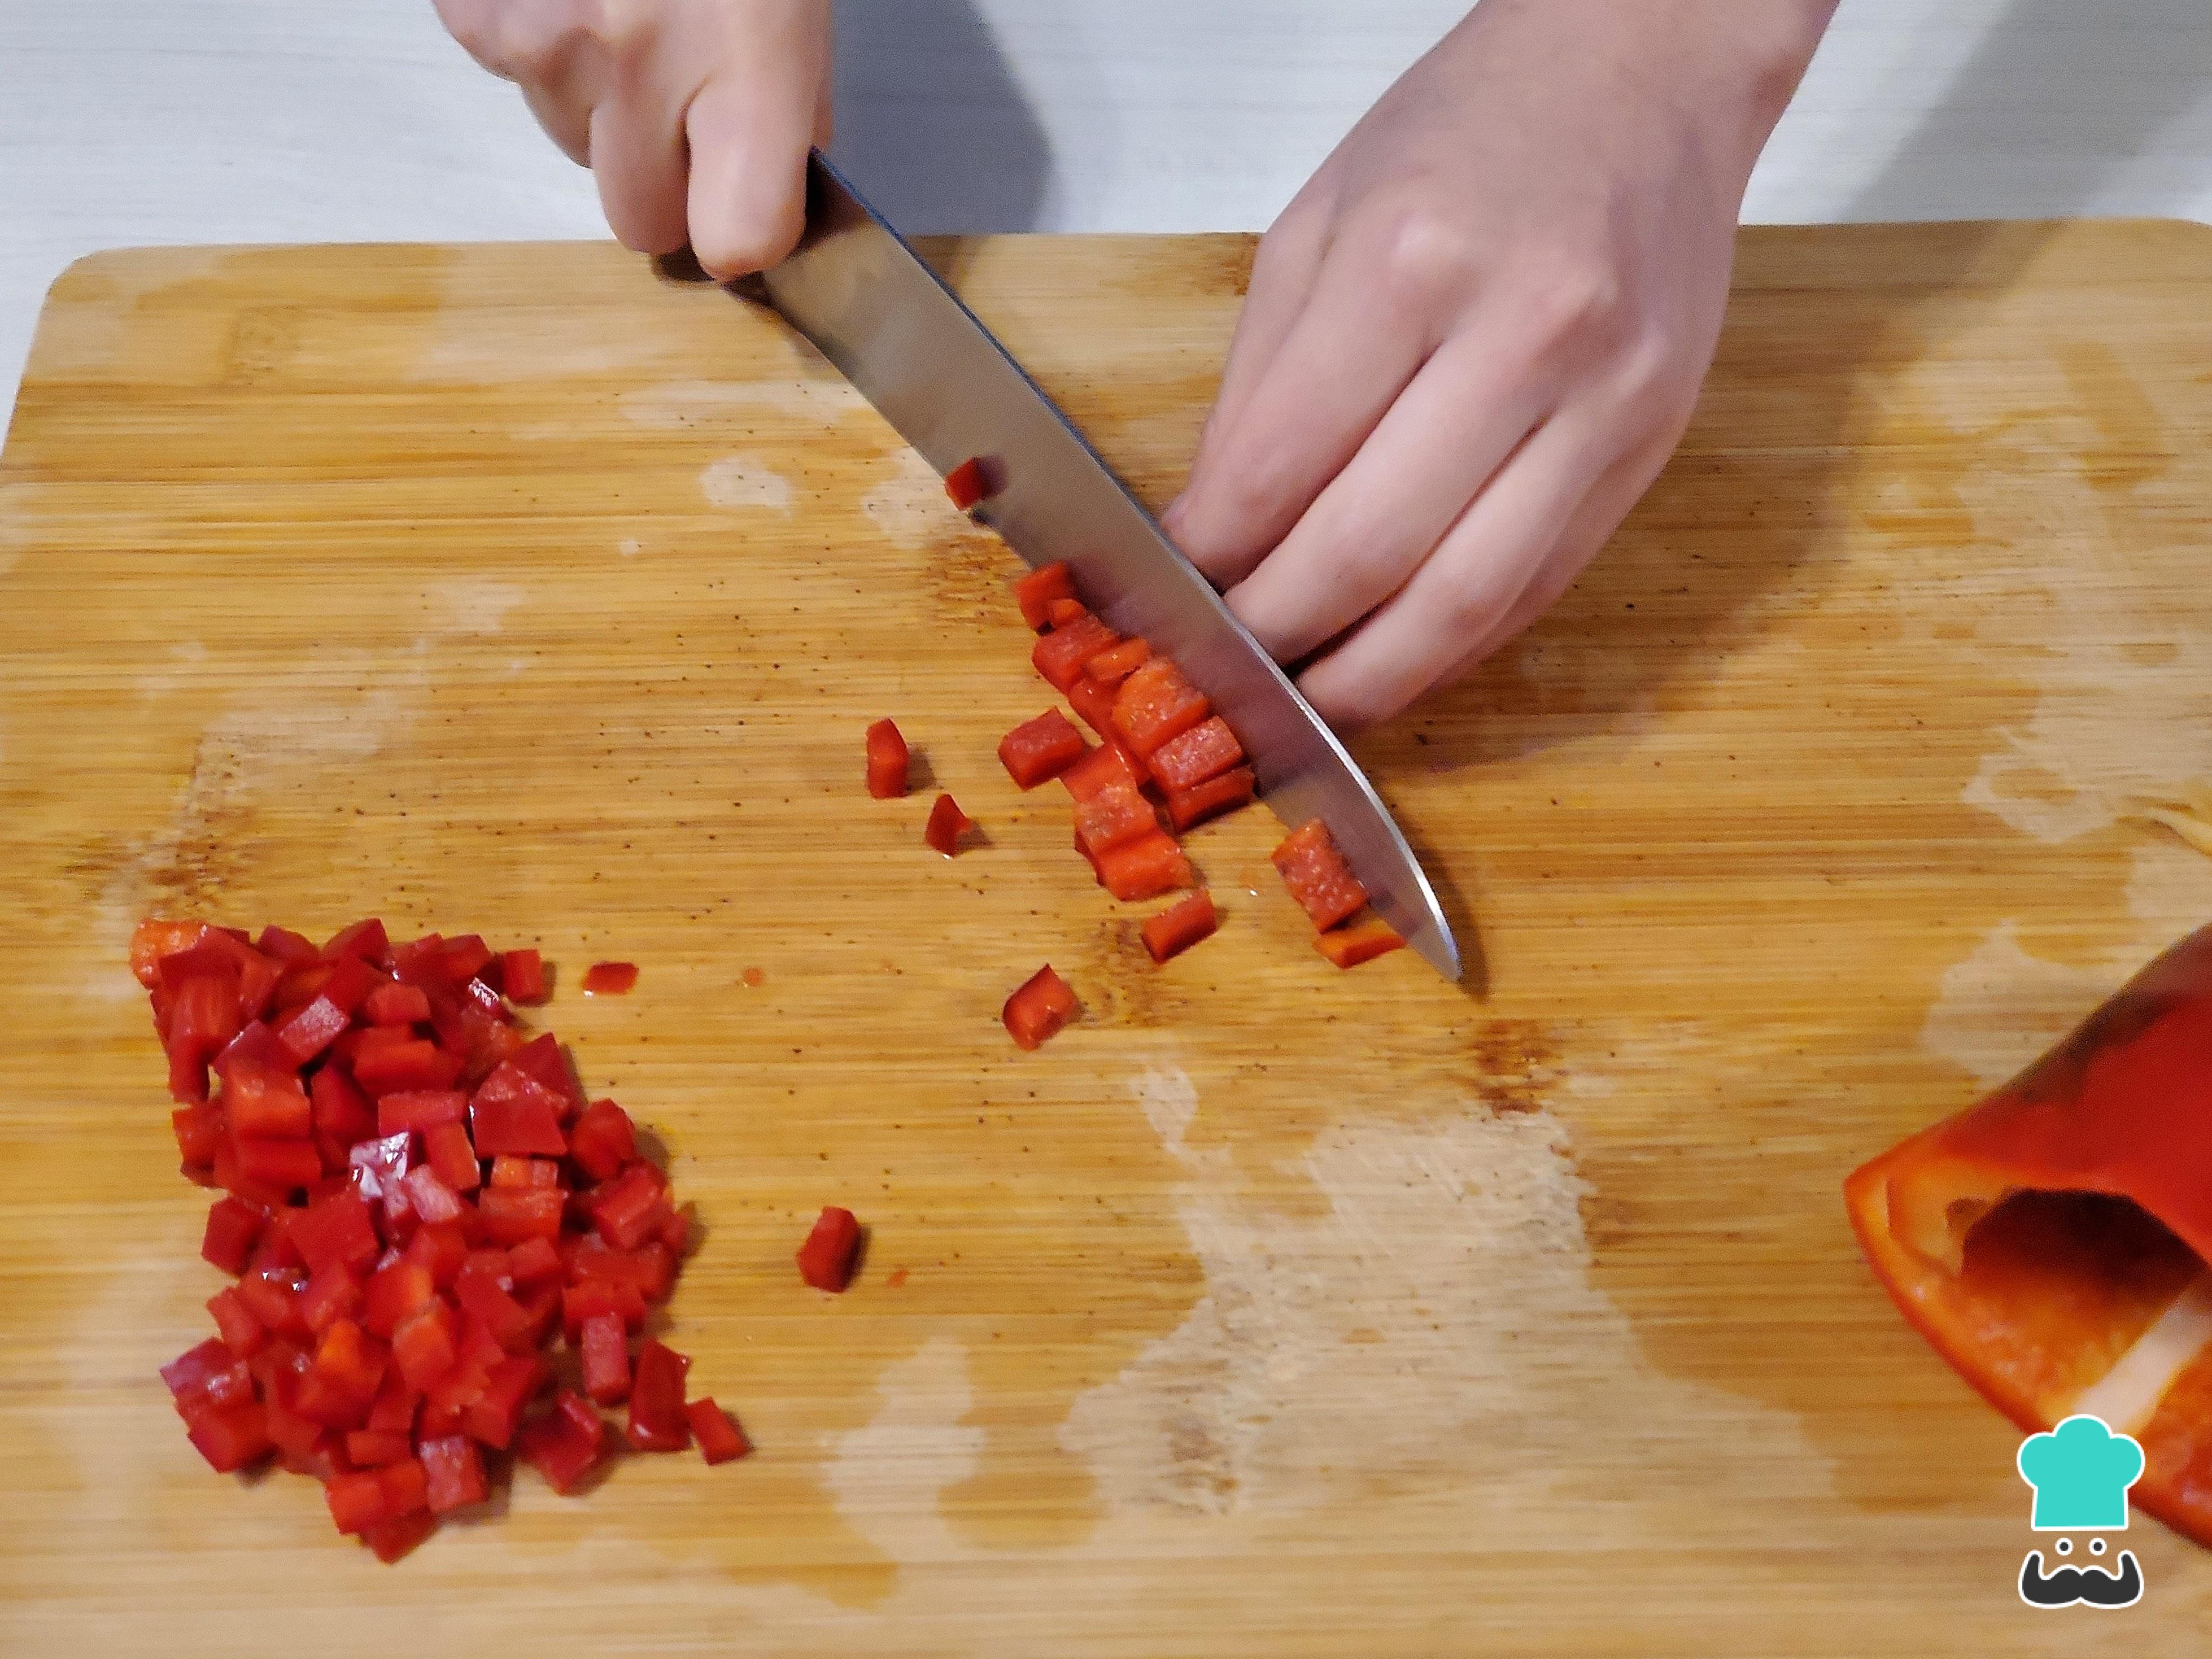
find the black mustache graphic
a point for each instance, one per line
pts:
(2093, 1585)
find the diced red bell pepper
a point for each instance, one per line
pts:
(613, 979)
(1061, 612)
(264, 1105)
(627, 1210)
(312, 1030)
(1205, 751)
(566, 1443)
(208, 1376)
(497, 1411)
(198, 1130)
(396, 1402)
(481, 1287)
(1360, 941)
(278, 1166)
(154, 939)
(1115, 816)
(447, 1147)
(356, 1501)
(272, 1295)
(1061, 655)
(233, 1230)
(241, 1333)
(968, 483)
(521, 1119)
(656, 1422)
(331, 1294)
(887, 761)
(541, 1058)
(1231, 790)
(1041, 749)
(511, 1215)
(533, 1261)
(1034, 592)
(396, 1291)
(412, 1066)
(676, 1233)
(454, 1472)
(203, 1019)
(651, 1267)
(947, 823)
(406, 1489)
(1094, 700)
(433, 1200)
(378, 1165)
(419, 1109)
(1145, 867)
(371, 1449)
(365, 939)
(281, 945)
(1155, 705)
(509, 1170)
(719, 1436)
(350, 1362)
(606, 1358)
(1117, 662)
(340, 1111)
(440, 1251)
(522, 976)
(1317, 875)
(826, 1260)
(1107, 764)
(397, 1005)
(1179, 926)
(424, 1345)
(231, 1437)
(583, 1301)
(394, 1540)
(604, 1140)
(335, 1231)
(1038, 1011)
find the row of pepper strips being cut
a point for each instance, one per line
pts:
(1161, 749)
(417, 1199)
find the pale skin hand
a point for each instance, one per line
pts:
(1474, 338)
(695, 116)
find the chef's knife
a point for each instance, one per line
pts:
(871, 307)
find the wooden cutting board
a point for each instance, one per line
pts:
(1272, 1309)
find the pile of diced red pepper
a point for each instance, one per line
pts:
(418, 1200)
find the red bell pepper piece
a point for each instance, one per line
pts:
(1117, 662)
(208, 1376)
(396, 1291)
(332, 1293)
(154, 939)
(264, 1105)
(1061, 612)
(1040, 749)
(1094, 700)
(947, 823)
(1061, 655)
(1155, 704)
(432, 1199)
(514, 1115)
(888, 761)
(606, 1358)
(278, 1166)
(231, 1437)
(335, 1231)
(371, 1449)
(507, 1171)
(541, 1058)
(365, 939)
(233, 1230)
(454, 1472)
(1115, 816)
(1179, 926)
(281, 945)
(604, 1140)
(1361, 941)
(1038, 1011)
(411, 1065)
(312, 1030)
(419, 1111)
(241, 1333)
(656, 1422)
(827, 1258)
(2049, 1242)
(494, 1415)
(1318, 876)
(1231, 790)
(522, 976)
(614, 979)
(447, 1147)
(341, 1111)
(627, 1210)
(968, 483)
(481, 1288)
(511, 1215)
(425, 1345)
(719, 1436)
(566, 1444)
(533, 1261)
(356, 1501)
(199, 1129)
(583, 1301)
(397, 1005)
(1206, 750)
(1107, 764)
(1035, 594)
(440, 1251)
(1145, 867)
(272, 1295)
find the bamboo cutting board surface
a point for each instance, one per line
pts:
(1271, 1310)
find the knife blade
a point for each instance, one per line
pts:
(907, 343)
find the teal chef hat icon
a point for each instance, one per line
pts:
(2081, 1472)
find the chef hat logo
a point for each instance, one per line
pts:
(2081, 1472)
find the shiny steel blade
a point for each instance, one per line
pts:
(914, 350)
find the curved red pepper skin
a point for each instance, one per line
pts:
(1358, 941)
(1155, 705)
(1061, 655)
(656, 1422)
(2057, 1288)
(825, 1261)
(1204, 752)
(888, 759)
(1039, 1010)
(967, 484)
(719, 1438)
(1179, 926)
(1226, 794)
(947, 823)
(1314, 870)
(1038, 750)
(1036, 593)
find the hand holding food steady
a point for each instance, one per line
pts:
(1473, 339)
(696, 116)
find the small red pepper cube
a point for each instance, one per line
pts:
(433, 1200)
(513, 1214)
(1041, 749)
(1114, 816)
(1117, 662)
(198, 1130)
(1362, 941)
(371, 1449)
(283, 945)
(525, 1172)
(425, 1347)
(1145, 867)
(1179, 926)
(582, 1302)
(1319, 878)
(272, 1295)
(513, 1116)
(312, 1030)
(947, 823)
(656, 1422)
(522, 975)
(414, 1064)
(1094, 700)
(233, 1230)
(481, 1287)
(453, 1474)
(887, 761)
(606, 1358)
(397, 1005)
(441, 1250)
(533, 1261)
(241, 1333)
(493, 1418)
(1061, 612)
(1156, 704)
(1039, 1009)
(1034, 592)
(365, 939)
(1231, 790)
(968, 483)
(628, 1209)
(826, 1260)
(1061, 655)
(266, 1105)
(419, 1110)
(1109, 764)
(340, 1111)
(279, 1166)
(541, 1058)
(331, 1294)
(396, 1291)
(613, 979)
(447, 1147)
(230, 1437)
(356, 1501)
(207, 1376)
(603, 1140)
(335, 1231)
(566, 1443)
(1206, 750)
(719, 1437)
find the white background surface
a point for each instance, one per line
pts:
(128, 122)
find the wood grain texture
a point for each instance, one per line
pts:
(1269, 1311)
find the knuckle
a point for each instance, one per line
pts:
(1430, 259)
